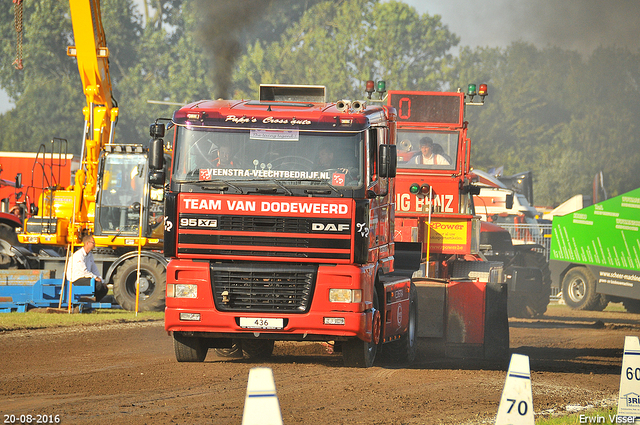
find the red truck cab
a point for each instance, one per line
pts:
(279, 226)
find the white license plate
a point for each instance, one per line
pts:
(261, 323)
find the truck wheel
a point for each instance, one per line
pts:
(404, 350)
(632, 306)
(153, 279)
(579, 290)
(257, 349)
(357, 353)
(188, 348)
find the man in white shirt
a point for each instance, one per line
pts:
(82, 268)
(427, 157)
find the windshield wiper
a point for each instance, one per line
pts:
(318, 192)
(285, 188)
(219, 184)
(277, 182)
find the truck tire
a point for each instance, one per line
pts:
(403, 351)
(579, 290)
(153, 279)
(532, 305)
(358, 353)
(189, 348)
(257, 349)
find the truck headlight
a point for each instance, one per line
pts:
(345, 295)
(180, 290)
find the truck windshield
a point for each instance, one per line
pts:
(291, 157)
(427, 149)
(121, 193)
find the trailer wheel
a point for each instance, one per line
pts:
(257, 349)
(404, 350)
(188, 348)
(357, 353)
(632, 306)
(579, 290)
(153, 279)
(532, 305)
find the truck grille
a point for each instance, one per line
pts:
(285, 288)
(265, 224)
(293, 238)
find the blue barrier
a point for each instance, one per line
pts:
(21, 290)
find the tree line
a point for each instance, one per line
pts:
(552, 111)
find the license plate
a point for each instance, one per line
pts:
(261, 323)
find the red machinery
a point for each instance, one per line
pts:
(462, 296)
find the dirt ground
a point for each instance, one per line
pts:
(127, 374)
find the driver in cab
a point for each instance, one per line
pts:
(224, 157)
(427, 156)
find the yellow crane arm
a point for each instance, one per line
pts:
(100, 115)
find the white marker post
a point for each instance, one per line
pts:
(629, 397)
(261, 405)
(516, 404)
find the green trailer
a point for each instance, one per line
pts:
(595, 254)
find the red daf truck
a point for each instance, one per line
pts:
(279, 226)
(462, 296)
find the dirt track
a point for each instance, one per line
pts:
(127, 374)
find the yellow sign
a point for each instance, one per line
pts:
(449, 236)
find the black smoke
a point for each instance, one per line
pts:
(222, 31)
(580, 25)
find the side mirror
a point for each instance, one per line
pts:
(387, 161)
(156, 152)
(472, 189)
(508, 201)
(156, 131)
(18, 180)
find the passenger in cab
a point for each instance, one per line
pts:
(329, 160)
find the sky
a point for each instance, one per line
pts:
(580, 25)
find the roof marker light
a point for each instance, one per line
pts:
(370, 88)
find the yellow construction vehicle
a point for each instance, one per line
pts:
(111, 197)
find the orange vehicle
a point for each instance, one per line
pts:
(437, 231)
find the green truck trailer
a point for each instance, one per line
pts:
(595, 254)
